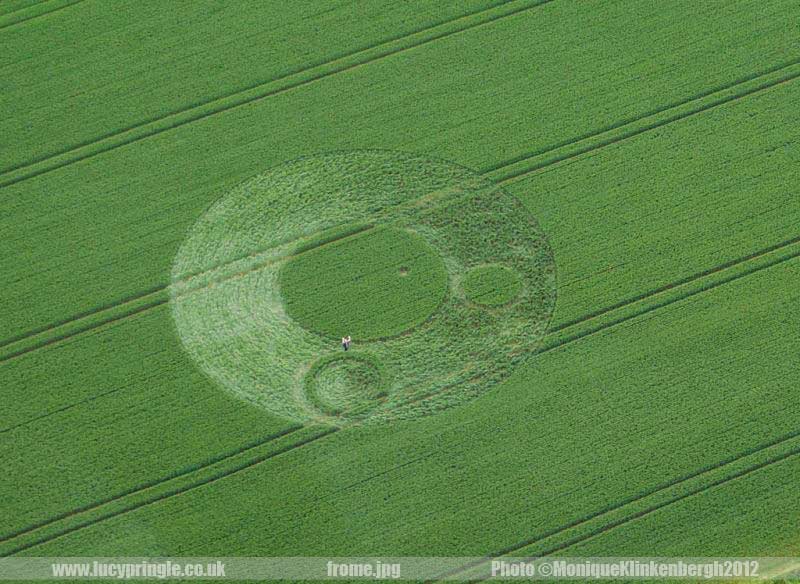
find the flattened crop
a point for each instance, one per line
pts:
(376, 245)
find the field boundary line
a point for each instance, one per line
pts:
(532, 164)
(672, 293)
(209, 472)
(59, 410)
(547, 158)
(241, 97)
(88, 322)
(678, 498)
(767, 262)
(4, 15)
(12, 18)
(689, 485)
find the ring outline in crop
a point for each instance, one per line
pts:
(453, 186)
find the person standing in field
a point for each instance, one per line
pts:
(346, 342)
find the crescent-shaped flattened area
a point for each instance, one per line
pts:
(443, 280)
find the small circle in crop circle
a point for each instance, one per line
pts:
(443, 280)
(346, 385)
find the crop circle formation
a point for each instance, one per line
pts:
(443, 280)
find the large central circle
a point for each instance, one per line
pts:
(374, 283)
(442, 279)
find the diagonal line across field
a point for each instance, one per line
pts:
(527, 164)
(651, 501)
(120, 504)
(671, 293)
(216, 469)
(780, 451)
(299, 78)
(84, 323)
(6, 15)
(505, 173)
(31, 12)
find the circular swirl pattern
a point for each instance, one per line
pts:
(258, 299)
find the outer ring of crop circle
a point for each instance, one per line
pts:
(546, 316)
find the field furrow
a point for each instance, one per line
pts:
(512, 170)
(12, 6)
(87, 419)
(562, 540)
(33, 10)
(385, 45)
(673, 292)
(223, 466)
(712, 520)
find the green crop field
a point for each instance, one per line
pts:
(563, 235)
